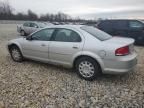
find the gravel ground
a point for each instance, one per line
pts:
(36, 85)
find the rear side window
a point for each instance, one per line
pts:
(136, 24)
(96, 33)
(33, 25)
(26, 24)
(41, 25)
(120, 24)
(105, 25)
(113, 24)
(67, 35)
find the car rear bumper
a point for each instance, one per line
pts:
(121, 66)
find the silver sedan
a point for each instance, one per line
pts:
(30, 27)
(84, 48)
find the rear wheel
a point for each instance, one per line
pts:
(16, 54)
(87, 68)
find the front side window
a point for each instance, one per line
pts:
(43, 35)
(41, 25)
(66, 35)
(135, 24)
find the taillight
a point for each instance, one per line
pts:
(122, 51)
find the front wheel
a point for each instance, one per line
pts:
(16, 54)
(87, 68)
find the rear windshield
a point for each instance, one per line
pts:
(96, 33)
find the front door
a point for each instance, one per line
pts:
(37, 46)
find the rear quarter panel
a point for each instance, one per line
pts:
(93, 48)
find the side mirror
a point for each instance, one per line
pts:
(29, 38)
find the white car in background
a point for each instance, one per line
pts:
(30, 27)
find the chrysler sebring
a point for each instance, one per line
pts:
(86, 49)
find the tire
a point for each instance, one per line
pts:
(87, 68)
(16, 54)
(22, 33)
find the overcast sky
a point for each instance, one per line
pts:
(84, 8)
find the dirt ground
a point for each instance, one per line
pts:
(36, 85)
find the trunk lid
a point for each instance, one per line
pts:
(118, 42)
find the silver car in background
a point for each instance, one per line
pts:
(84, 48)
(30, 27)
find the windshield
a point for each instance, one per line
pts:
(42, 25)
(96, 33)
(142, 21)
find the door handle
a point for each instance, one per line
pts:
(43, 45)
(75, 47)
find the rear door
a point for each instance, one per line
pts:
(64, 45)
(136, 31)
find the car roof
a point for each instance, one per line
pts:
(65, 26)
(32, 22)
(120, 20)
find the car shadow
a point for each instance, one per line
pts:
(48, 65)
(102, 77)
(122, 78)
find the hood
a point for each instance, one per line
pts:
(16, 40)
(20, 38)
